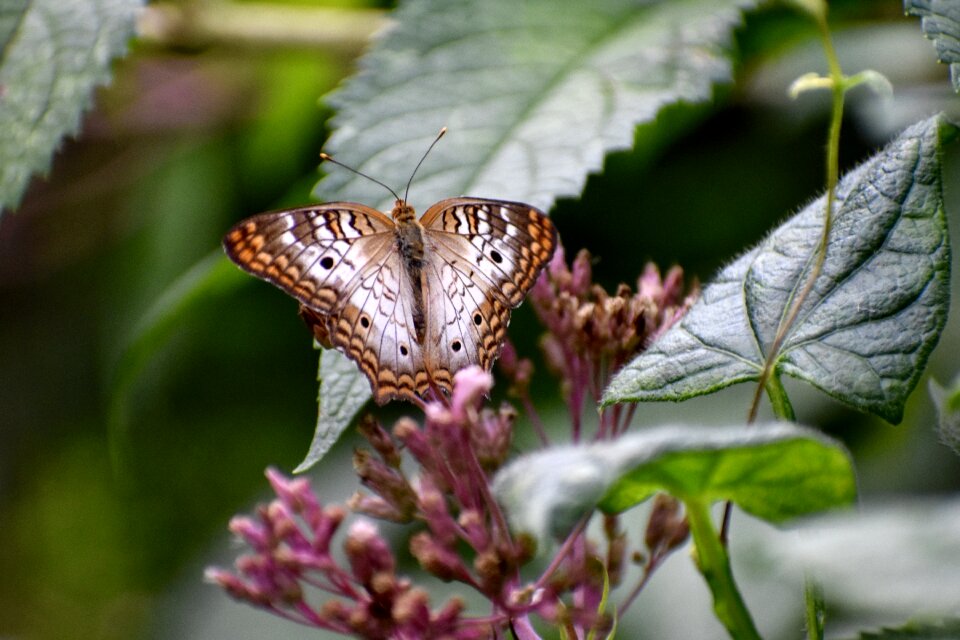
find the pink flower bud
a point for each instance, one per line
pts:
(367, 552)
(441, 561)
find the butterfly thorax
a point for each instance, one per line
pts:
(410, 246)
(402, 212)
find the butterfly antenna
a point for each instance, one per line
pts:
(406, 191)
(328, 158)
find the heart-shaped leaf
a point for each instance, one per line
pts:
(774, 471)
(343, 391)
(864, 333)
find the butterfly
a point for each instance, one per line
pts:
(410, 301)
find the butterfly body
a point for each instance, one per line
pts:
(410, 301)
(410, 244)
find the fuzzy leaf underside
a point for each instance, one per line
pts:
(864, 333)
(343, 392)
(54, 53)
(774, 471)
(534, 94)
(940, 22)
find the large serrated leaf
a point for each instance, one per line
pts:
(534, 93)
(864, 333)
(343, 391)
(940, 21)
(776, 472)
(54, 55)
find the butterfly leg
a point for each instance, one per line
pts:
(435, 393)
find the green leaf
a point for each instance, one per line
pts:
(11, 15)
(774, 471)
(947, 402)
(864, 333)
(940, 21)
(343, 391)
(54, 54)
(947, 630)
(534, 93)
(206, 281)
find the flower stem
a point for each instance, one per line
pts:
(714, 564)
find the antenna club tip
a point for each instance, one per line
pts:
(325, 156)
(443, 130)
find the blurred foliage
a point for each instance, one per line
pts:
(191, 138)
(52, 56)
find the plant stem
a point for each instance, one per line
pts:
(778, 398)
(813, 598)
(838, 89)
(714, 564)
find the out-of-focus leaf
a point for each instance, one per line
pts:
(947, 402)
(11, 15)
(54, 54)
(776, 472)
(864, 333)
(940, 21)
(343, 391)
(534, 93)
(207, 280)
(947, 630)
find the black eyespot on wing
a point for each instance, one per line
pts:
(365, 322)
(326, 262)
(477, 319)
(456, 346)
(496, 257)
(403, 350)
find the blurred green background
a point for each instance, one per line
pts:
(109, 508)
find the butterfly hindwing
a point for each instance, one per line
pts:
(466, 324)
(375, 328)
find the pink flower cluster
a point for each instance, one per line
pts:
(292, 557)
(591, 334)
(465, 538)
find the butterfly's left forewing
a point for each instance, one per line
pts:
(340, 261)
(312, 253)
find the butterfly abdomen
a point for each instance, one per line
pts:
(410, 246)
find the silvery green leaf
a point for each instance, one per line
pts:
(864, 333)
